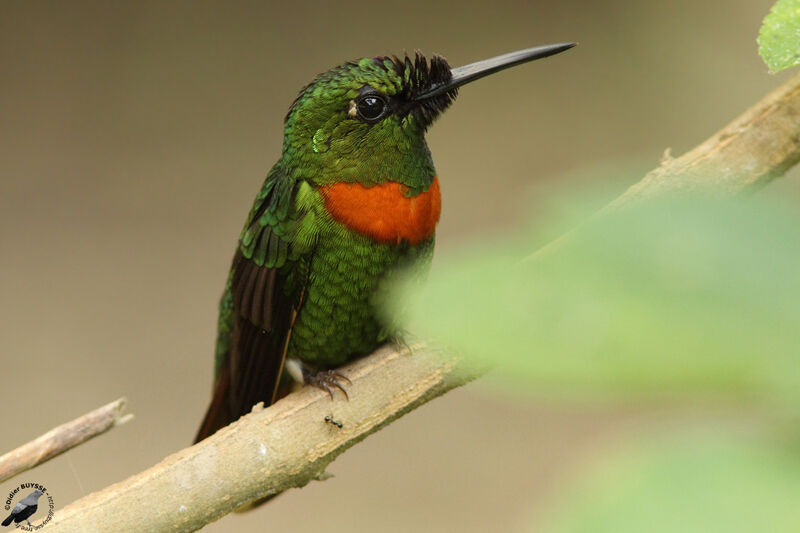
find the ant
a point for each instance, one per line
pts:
(329, 419)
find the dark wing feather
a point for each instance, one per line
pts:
(26, 513)
(264, 292)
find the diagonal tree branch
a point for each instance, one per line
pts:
(290, 443)
(269, 450)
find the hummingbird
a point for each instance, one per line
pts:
(353, 199)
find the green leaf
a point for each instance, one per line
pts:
(779, 38)
(702, 481)
(663, 300)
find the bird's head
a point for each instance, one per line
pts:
(364, 121)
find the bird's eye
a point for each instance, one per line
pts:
(371, 107)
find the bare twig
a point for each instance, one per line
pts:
(60, 439)
(291, 443)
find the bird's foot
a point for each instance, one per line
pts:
(327, 380)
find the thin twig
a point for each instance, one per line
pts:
(60, 439)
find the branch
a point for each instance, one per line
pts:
(290, 443)
(759, 146)
(269, 450)
(60, 439)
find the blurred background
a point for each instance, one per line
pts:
(134, 136)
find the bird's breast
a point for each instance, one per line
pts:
(384, 212)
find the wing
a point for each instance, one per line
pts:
(26, 513)
(21, 506)
(264, 291)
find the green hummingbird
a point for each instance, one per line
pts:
(353, 199)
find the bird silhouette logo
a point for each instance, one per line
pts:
(24, 509)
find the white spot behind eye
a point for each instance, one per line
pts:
(352, 111)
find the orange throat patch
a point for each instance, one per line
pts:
(384, 212)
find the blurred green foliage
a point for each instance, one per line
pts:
(779, 38)
(688, 296)
(680, 299)
(696, 481)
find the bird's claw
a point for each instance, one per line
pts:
(327, 380)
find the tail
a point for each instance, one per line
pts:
(8, 520)
(218, 414)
